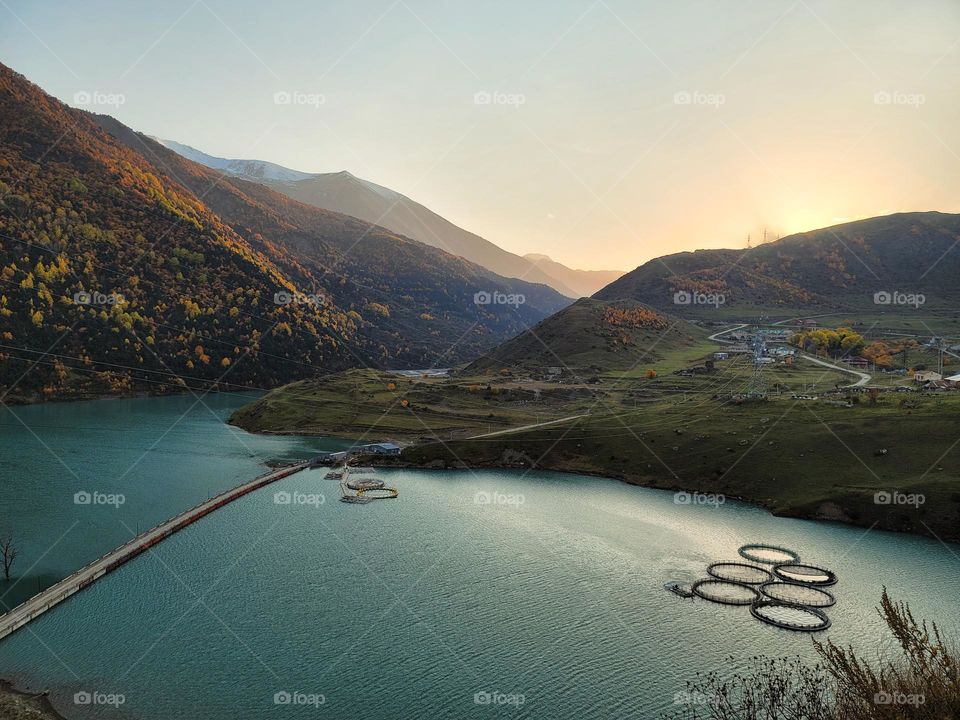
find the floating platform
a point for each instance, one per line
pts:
(768, 554)
(679, 589)
(365, 484)
(387, 493)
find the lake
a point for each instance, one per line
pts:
(546, 600)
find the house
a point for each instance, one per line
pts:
(953, 378)
(808, 323)
(739, 348)
(857, 362)
(380, 449)
(721, 356)
(925, 376)
(328, 458)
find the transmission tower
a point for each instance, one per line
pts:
(758, 382)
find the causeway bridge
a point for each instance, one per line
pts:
(90, 573)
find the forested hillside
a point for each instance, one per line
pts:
(123, 271)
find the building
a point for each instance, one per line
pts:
(954, 379)
(380, 449)
(857, 362)
(925, 376)
(721, 356)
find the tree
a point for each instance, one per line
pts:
(9, 553)
(918, 678)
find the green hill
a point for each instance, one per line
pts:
(592, 337)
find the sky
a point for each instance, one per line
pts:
(600, 132)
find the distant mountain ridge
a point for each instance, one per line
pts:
(839, 267)
(584, 282)
(344, 192)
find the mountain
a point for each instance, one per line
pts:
(251, 169)
(126, 267)
(592, 336)
(348, 194)
(842, 267)
(584, 282)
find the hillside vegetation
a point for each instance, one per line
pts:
(124, 267)
(591, 337)
(835, 268)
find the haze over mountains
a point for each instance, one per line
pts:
(135, 268)
(348, 194)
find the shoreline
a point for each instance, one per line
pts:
(838, 518)
(23, 401)
(16, 704)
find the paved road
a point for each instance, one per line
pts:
(864, 377)
(528, 427)
(56, 594)
(716, 336)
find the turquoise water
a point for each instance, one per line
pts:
(409, 608)
(162, 455)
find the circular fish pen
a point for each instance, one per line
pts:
(378, 493)
(790, 616)
(365, 484)
(804, 574)
(768, 554)
(798, 594)
(739, 573)
(725, 592)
